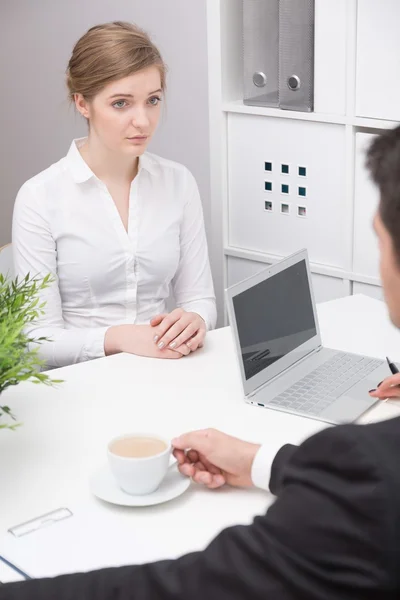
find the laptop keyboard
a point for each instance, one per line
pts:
(320, 388)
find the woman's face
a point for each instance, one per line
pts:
(124, 115)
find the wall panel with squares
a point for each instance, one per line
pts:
(306, 169)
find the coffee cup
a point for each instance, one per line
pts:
(139, 462)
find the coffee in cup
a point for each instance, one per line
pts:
(138, 447)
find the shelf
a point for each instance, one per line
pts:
(373, 123)
(316, 268)
(336, 134)
(263, 111)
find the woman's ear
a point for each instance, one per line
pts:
(82, 105)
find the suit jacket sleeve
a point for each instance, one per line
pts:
(326, 537)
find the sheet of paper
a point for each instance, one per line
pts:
(381, 412)
(88, 540)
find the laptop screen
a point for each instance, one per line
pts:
(274, 317)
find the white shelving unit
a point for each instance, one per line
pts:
(330, 142)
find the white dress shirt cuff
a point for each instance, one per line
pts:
(261, 469)
(94, 345)
(206, 309)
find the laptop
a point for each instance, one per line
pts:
(282, 361)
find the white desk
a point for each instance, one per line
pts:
(46, 463)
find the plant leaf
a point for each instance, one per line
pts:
(21, 304)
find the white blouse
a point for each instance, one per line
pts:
(66, 223)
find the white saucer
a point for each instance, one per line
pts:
(104, 486)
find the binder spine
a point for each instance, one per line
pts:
(296, 55)
(260, 51)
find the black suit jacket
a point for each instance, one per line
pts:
(333, 533)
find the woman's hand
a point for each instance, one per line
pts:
(177, 330)
(389, 388)
(138, 339)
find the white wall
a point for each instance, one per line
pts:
(36, 122)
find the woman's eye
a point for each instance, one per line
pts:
(154, 100)
(119, 104)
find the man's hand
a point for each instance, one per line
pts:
(214, 458)
(389, 388)
(177, 329)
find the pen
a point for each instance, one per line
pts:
(392, 366)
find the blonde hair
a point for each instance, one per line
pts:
(109, 52)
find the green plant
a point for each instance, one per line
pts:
(19, 361)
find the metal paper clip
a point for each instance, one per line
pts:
(40, 522)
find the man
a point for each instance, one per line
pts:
(334, 530)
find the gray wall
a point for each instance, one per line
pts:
(37, 123)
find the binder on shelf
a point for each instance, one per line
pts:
(261, 48)
(278, 43)
(296, 55)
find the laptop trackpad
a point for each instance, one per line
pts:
(349, 408)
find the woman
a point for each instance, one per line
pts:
(115, 225)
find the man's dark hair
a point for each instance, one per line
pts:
(383, 162)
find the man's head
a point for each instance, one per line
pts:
(383, 162)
